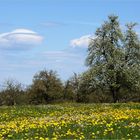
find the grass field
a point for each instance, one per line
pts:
(71, 121)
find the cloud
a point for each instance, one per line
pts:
(81, 42)
(65, 62)
(24, 65)
(19, 39)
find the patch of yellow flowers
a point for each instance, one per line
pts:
(71, 121)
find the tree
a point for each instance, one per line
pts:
(107, 54)
(132, 59)
(46, 87)
(90, 91)
(71, 88)
(12, 93)
(86, 86)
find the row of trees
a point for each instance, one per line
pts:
(113, 75)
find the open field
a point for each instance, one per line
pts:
(71, 121)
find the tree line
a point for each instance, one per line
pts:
(113, 73)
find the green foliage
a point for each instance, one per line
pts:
(46, 87)
(114, 58)
(72, 88)
(71, 121)
(113, 74)
(12, 94)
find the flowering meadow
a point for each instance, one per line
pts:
(71, 121)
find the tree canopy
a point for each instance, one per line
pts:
(114, 57)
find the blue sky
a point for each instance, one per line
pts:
(53, 34)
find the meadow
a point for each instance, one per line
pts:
(71, 121)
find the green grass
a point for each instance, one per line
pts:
(71, 121)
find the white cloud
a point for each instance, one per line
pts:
(81, 42)
(19, 38)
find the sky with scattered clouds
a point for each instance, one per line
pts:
(53, 34)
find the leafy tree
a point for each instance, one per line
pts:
(68, 91)
(86, 86)
(71, 88)
(46, 87)
(107, 56)
(12, 93)
(132, 61)
(89, 91)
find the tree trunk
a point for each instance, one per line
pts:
(114, 96)
(114, 93)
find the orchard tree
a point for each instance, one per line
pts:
(132, 59)
(111, 58)
(12, 93)
(46, 87)
(72, 87)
